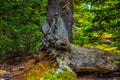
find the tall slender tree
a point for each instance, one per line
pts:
(64, 8)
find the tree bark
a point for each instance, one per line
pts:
(64, 8)
(71, 57)
(57, 32)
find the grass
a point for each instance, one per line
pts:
(46, 71)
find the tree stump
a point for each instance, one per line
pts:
(71, 57)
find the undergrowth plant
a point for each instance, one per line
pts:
(94, 25)
(43, 71)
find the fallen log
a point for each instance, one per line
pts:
(71, 57)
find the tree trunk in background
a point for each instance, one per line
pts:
(64, 8)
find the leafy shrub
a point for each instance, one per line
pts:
(91, 23)
(79, 37)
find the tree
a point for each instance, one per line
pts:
(68, 56)
(64, 9)
(20, 21)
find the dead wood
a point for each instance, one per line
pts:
(71, 57)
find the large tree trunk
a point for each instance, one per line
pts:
(71, 57)
(65, 9)
(57, 32)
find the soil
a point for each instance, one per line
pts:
(15, 70)
(97, 76)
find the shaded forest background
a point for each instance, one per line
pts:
(96, 25)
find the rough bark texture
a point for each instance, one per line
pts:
(71, 57)
(65, 9)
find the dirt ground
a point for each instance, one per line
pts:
(12, 70)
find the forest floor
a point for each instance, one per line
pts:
(27, 65)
